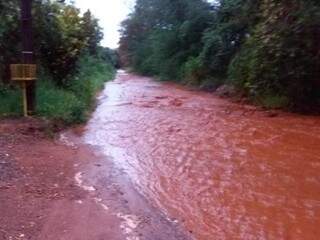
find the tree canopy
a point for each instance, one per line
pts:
(268, 49)
(72, 66)
(61, 35)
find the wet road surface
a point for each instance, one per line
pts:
(222, 170)
(62, 189)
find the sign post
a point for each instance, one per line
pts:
(25, 73)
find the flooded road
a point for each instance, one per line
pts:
(222, 170)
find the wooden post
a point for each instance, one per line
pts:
(25, 101)
(27, 52)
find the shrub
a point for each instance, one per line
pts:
(91, 75)
(11, 101)
(273, 101)
(69, 104)
(58, 104)
(281, 57)
(73, 103)
(193, 71)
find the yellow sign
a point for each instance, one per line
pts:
(24, 73)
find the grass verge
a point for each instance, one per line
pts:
(70, 104)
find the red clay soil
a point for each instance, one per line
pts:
(42, 194)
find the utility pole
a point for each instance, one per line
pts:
(27, 51)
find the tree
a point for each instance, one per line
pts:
(9, 36)
(92, 32)
(61, 35)
(160, 36)
(268, 48)
(282, 56)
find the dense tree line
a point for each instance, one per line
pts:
(61, 37)
(268, 49)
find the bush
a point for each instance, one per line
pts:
(62, 36)
(273, 101)
(269, 49)
(160, 36)
(193, 72)
(90, 78)
(280, 58)
(70, 104)
(11, 101)
(73, 103)
(57, 103)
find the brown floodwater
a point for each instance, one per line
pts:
(221, 169)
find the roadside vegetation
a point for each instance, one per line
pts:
(267, 49)
(72, 64)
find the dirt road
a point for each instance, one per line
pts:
(158, 161)
(64, 190)
(222, 170)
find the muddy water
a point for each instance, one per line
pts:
(223, 170)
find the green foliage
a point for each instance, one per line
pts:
(282, 55)
(74, 66)
(70, 104)
(90, 78)
(269, 48)
(61, 36)
(272, 101)
(9, 36)
(64, 36)
(233, 22)
(73, 104)
(109, 56)
(57, 103)
(11, 101)
(160, 36)
(193, 71)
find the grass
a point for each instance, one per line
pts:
(70, 104)
(58, 104)
(274, 101)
